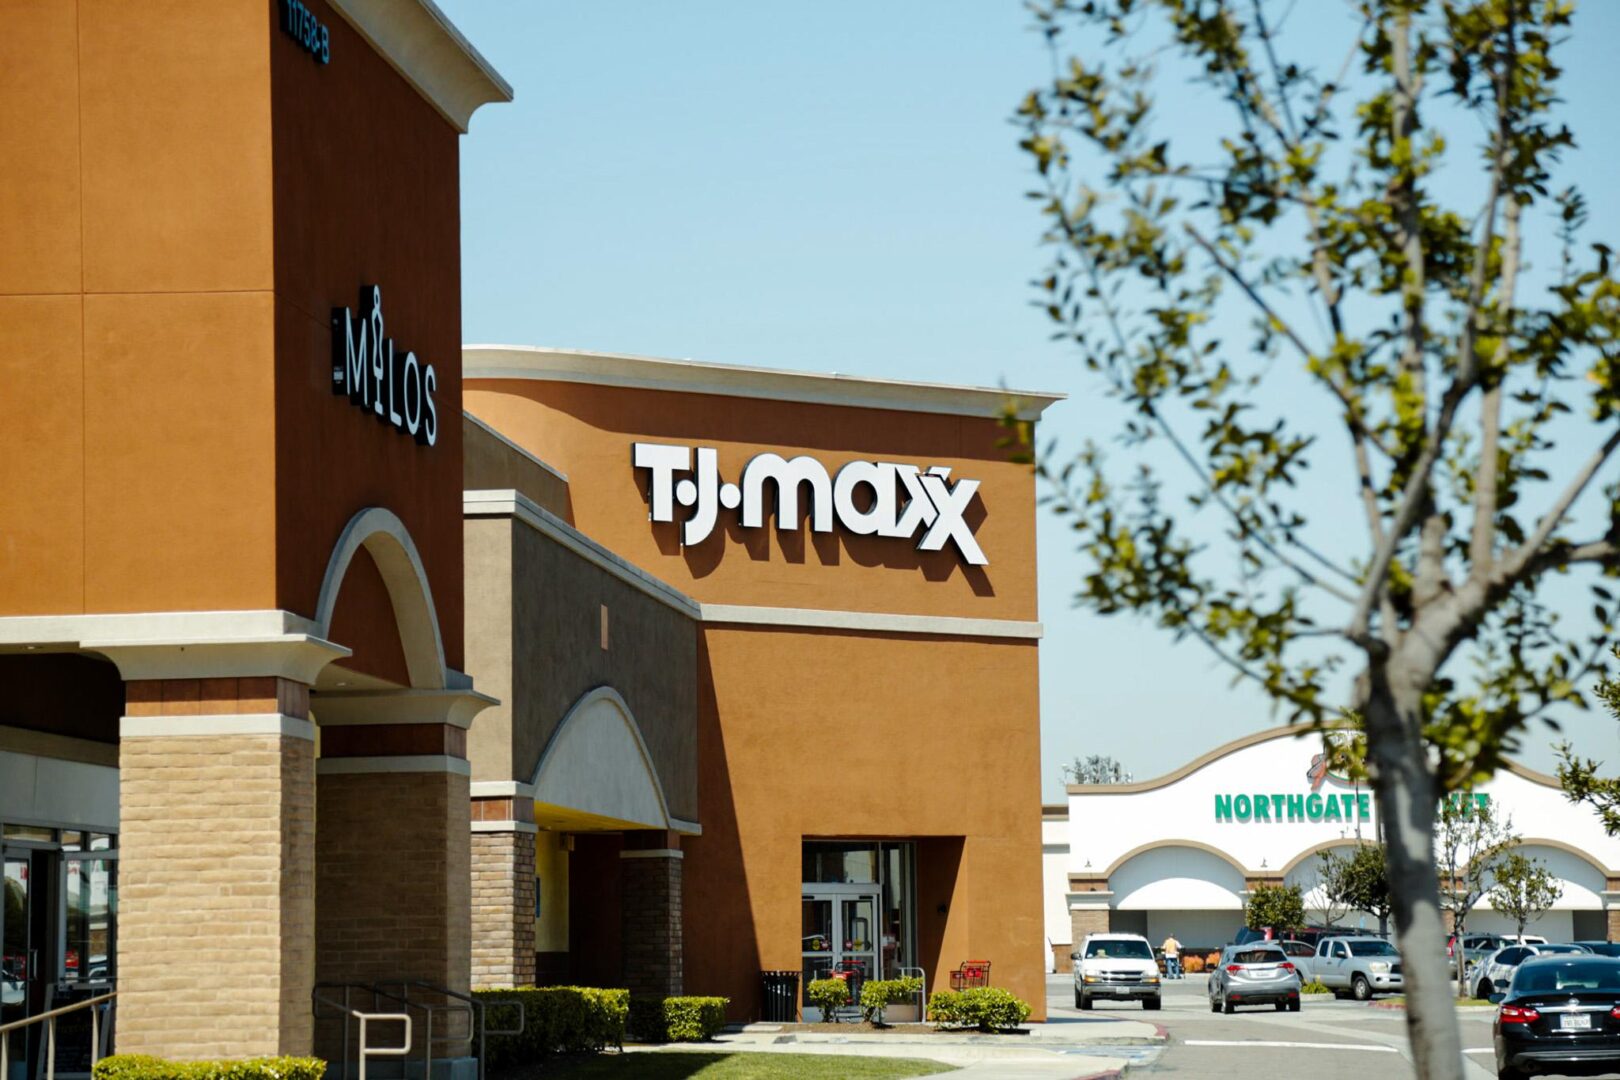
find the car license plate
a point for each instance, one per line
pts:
(1575, 1022)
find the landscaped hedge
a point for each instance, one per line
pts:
(144, 1067)
(878, 994)
(828, 995)
(988, 1008)
(677, 1019)
(556, 1020)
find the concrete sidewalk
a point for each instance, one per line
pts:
(1063, 1049)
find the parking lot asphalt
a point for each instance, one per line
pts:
(1326, 1039)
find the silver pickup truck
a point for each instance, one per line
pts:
(1355, 966)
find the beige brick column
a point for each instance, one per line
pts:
(503, 891)
(216, 870)
(651, 884)
(393, 882)
(1090, 901)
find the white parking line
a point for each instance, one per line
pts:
(1293, 1045)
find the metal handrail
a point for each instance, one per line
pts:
(474, 1006)
(49, 1019)
(365, 1051)
(922, 1004)
(429, 1010)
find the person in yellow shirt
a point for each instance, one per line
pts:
(1172, 957)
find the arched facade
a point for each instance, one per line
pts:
(1262, 809)
(380, 533)
(597, 766)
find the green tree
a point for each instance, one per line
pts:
(1280, 907)
(1470, 845)
(1294, 304)
(1524, 889)
(1095, 769)
(1357, 882)
(1581, 777)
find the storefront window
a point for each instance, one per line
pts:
(837, 863)
(859, 908)
(30, 833)
(899, 892)
(92, 904)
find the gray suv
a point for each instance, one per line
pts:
(1258, 974)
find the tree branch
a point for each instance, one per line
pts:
(1482, 542)
(1176, 442)
(1514, 566)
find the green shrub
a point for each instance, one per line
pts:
(556, 1020)
(988, 1008)
(878, 994)
(677, 1019)
(829, 995)
(1315, 986)
(144, 1067)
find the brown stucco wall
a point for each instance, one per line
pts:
(184, 197)
(135, 313)
(534, 641)
(807, 734)
(822, 734)
(367, 191)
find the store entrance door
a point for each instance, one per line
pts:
(840, 927)
(24, 930)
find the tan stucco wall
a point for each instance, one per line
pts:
(534, 613)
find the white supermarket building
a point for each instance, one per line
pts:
(1180, 853)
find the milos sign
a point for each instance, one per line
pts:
(900, 501)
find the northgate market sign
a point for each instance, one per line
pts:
(867, 498)
(1315, 805)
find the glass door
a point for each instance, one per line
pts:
(23, 984)
(858, 927)
(839, 936)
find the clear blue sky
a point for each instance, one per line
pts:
(834, 186)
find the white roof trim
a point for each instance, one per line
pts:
(182, 644)
(508, 503)
(421, 43)
(877, 621)
(695, 377)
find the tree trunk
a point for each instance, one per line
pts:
(1407, 802)
(1457, 926)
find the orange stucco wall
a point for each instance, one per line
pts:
(809, 734)
(184, 196)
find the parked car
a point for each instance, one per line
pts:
(1357, 966)
(1257, 974)
(1297, 950)
(1601, 948)
(1475, 948)
(1496, 971)
(1119, 966)
(1561, 1014)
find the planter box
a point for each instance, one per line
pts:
(902, 1014)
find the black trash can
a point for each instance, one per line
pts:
(780, 991)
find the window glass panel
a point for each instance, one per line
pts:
(72, 840)
(92, 901)
(30, 832)
(827, 863)
(898, 906)
(102, 842)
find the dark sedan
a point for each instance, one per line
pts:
(1561, 1014)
